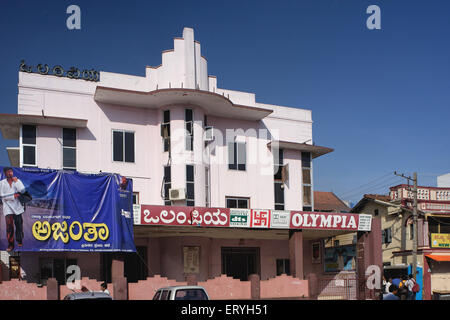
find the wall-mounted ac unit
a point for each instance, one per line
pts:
(209, 133)
(177, 194)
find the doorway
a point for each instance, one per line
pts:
(239, 263)
(135, 265)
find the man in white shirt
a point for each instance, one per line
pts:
(10, 189)
(410, 284)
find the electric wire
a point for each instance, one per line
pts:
(392, 181)
(370, 182)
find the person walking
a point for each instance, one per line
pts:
(410, 285)
(10, 189)
(387, 285)
(403, 288)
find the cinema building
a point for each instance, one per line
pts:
(223, 184)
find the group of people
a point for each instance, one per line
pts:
(400, 289)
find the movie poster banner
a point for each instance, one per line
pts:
(51, 210)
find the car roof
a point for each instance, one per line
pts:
(88, 295)
(181, 287)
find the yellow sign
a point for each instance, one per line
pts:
(440, 240)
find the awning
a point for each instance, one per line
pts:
(10, 123)
(214, 104)
(316, 151)
(439, 256)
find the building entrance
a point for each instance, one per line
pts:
(239, 263)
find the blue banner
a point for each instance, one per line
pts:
(51, 210)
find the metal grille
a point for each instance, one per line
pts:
(341, 287)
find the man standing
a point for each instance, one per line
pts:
(10, 190)
(410, 284)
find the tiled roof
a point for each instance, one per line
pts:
(381, 197)
(326, 201)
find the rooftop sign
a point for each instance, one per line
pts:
(72, 73)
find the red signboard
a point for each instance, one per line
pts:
(322, 220)
(220, 217)
(185, 216)
(260, 219)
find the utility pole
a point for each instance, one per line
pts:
(414, 179)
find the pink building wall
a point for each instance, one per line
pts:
(20, 290)
(165, 255)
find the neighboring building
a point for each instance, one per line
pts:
(329, 202)
(443, 181)
(396, 213)
(189, 147)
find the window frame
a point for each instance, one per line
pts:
(163, 123)
(188, 135)
(167, 186)
(69, 147)
(236, 156)
(190, 202)
(237, 201)
(123, 131)
(22, 145)
(310, 185)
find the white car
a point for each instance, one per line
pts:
(181, 293)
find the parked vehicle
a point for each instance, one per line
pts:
(181, 293)
(88, 295)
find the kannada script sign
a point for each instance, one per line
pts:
(250, 218)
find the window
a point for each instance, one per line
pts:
(190, 294)
(189, 127)
(165, 130)
(279, 179)
(283, 266)
(375, 212)
(207, 200)
(386, 236)
(237, 156)
(28, 145)
(123, 146)
(411, 231)
(278, 164)
(190, 185)
(135, 197)
(307, 181)
(279, 196)
(241, 203)
(167, 185)
(165, 295)
(69, 149)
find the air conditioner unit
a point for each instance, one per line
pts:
(177, 194)
(209, 133)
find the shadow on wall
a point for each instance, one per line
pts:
(129, 115)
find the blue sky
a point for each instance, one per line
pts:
(380, 98)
